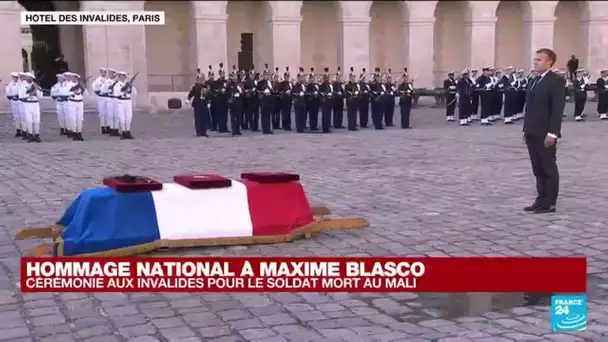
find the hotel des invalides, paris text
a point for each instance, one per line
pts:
(430, 38)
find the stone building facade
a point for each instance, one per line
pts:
(429, 37)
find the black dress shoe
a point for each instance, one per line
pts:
(544, 209)
(203, 135)
(18, 133)
(531, 207)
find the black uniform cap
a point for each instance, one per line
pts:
(404, 69)
(326, 70)
(221, 66)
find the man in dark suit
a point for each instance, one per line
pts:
(545, 102)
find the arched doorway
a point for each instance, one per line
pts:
(171, 48)
(44, 43)
(387, 41)
(450, 33)
(319, 36)
(510, 35)
(568, 35)
(248, 34)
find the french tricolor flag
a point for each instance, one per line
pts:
(102, 219)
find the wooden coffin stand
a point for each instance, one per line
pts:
(323, 218)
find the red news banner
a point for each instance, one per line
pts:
(561, 275)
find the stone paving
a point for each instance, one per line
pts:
(435, 190)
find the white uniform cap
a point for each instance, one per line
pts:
(580, 70)
(59, 75)
(111, 70)
(14, 74)
(67, 73)
(475, 69)
(103, 69)
(121, 73)
(465, 71)
(74, 74)
(520, 70)
(28, 74)
(509, 68)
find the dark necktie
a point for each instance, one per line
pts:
(536, 79)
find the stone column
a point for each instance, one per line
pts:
(595, 28)
(211, 33)
(481, 27)
(419, 29)
(353, 42)
(285, 29)
(539, 23)
(10, 26)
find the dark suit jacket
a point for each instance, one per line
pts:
(545, 102)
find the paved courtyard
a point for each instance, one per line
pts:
(435, 190)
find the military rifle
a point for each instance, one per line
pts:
(129, 84)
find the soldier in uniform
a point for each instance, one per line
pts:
(474, 96)
(251, 102)
(351, 90)
(30, 94)
(124, 91)
(198, 97)
(484, 86)
(521, 94)
(377, 98)
(101, 105)
(326, 90)
(59, 94)
(463, 88)
(314, 101)
(580, 84)
(510, 84)
(220, 101)
(286, 99)
(389, 101)
(602, 95)
(497, 95)
(267, 101)
(405, 92)
(12, 94)
(76, 106)
(338, 101)
(212, 110)
(364, 94)
(235, 95)
(107, 92)
(300, 103)
(276, 111)
(449, 85)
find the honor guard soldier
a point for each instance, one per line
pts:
(521, 94)
(30, 94)
(106, 91)
(497, 95)
(220, 101)
(389, 107)
(267, 101)
(276, 94)
(326, 91)
(580, 84)
(509, 84)
(338, 101)
(463, 88)
(405, 92)
(12, 94)
(198, 98)
(100, 100)
(286, 99)
(76, 106)
(235, 93)
(300, 104)
(364, 96)
(602, 95)
(352, 93)
(449, 85)
(314, 101)
(483, 85)
(124, 90)
(59, 93)
(378, 96)
(474, 95)
(250, 102)
(212, 99)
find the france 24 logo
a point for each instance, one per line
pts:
(568, 313)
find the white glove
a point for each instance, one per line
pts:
(266, 91)
(356, 92)
(237, 95)
(328, 94)
(391, 93)
(316, 92)
(339, 93)
(301, 93)
(187, 103)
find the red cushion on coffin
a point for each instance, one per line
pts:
(203, 181)
(270, 177)
(128, 183)
(277, 208)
